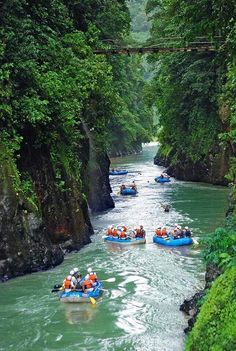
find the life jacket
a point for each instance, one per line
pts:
(124, 229)
(67, 284)
(123, 234)
(114, 232)
(109, 231)
(163, 232)
(158, 232)
(138, 231)
(87, 284)
(93, 277)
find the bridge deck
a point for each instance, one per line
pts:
(153, 49)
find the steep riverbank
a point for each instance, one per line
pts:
(46, 214)
(210, 168)
(212, 324)
(142, 306)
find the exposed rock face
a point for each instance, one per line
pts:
(118, 151)
(35, 237)
(191, 306)
(99, 197)
(95, 174)
(24, 244)
(210, 169)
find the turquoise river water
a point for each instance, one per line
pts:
(140, 310)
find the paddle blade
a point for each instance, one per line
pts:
(109, 280)
(195, 241)
(57, 289)
(93, 301)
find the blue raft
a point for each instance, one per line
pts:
(121, 172)
(162, 180)
(80, 296)
(135, 241)
(128, 191)
(172, 242)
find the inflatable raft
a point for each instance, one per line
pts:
(172, 242)
(121, 172)
(80, 296)
(162, 180)
(128, 191)
(128, 241)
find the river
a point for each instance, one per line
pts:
(140, 310)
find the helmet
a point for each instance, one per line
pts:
(186, 227)
(72, 272)
(90, 270)
(76, 270)
(69, 277)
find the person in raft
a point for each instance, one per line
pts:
(122, 187)
(90, 281)
(133, 186)
(140, 232)
(187, 232)
(78, 278)
(161, 232)
(68, 283)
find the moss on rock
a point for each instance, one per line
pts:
(215, 328)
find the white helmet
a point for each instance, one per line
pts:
(76, 270)
(69, 277)
(186, 228)
(90, 270)
(72, 272)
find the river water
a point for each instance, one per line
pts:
(140, 310)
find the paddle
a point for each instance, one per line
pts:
(57, 289)
(195, 241)
(93, 301)
(109, 280)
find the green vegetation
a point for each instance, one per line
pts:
(220, 247)
(52, 84)
(215, 328)
(187, 87)
(194, 94)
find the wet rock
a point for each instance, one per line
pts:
(210, 168)
(191, 306)
(31, 233)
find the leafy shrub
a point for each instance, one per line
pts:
(215, 328)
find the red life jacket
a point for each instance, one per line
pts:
(87, 284)
(114, 232)
(93, 277)
(123, 234)
(164, 232)
(67, 284)
(158, 232)
(109, 231)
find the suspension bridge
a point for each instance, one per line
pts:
(165, 46)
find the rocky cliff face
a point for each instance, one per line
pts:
(210, 169)
(192, 306)
(118, 151)
(36, 233)
(25, 245)
(95, 174)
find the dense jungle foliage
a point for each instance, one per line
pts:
(187, 87)
(53, 86)
(215, 329)
(194, 94)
